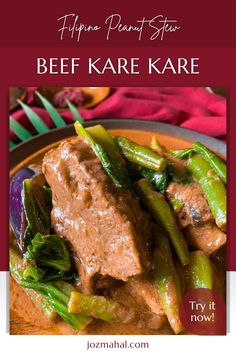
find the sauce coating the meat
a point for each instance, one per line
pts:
(195, 209)
(140, 294)
(195, 217)
(107, 229)
(208, 237)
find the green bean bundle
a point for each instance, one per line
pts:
(212, 187)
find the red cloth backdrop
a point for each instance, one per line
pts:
(189, 107)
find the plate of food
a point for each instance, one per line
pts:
(112, 222)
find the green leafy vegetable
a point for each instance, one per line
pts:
(49, 251)
(48, 194)
(36, 210)
(158, 179)
(184, 177)
(51, 297)
(216, 162)
(114, 169)
(59, 302)
(101, 136)
(34, 272)
(16, 269)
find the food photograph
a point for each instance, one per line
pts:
(117, 207)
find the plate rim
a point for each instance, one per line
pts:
(116, 123)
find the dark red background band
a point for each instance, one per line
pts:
(203, 23)
(18, 67)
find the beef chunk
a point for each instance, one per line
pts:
(141, 295)
(195, 209)
(105, 226)
(208, 237)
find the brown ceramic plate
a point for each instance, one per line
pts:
(142, 131)
(32, 151)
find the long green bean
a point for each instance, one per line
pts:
(167, 283)
(141, 155)
(102, 137)
(159, 180)
(217, 163)
(98, 307)
(198, 273)
(59, 301)
(212, 187)
(114, 170)
(162, 212)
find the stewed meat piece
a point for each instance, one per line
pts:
(194, 209)
(140, 294)
(195, 217)
(107, 229)
(208, 237)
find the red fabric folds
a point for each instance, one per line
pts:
(189, 107)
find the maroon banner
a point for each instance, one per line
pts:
(201, 24)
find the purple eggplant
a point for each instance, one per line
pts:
(17, 215)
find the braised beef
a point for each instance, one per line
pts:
(106, 227)
(195, 209)
(208, 237)
(140, 294)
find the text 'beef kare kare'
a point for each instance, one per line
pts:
(110, 231)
